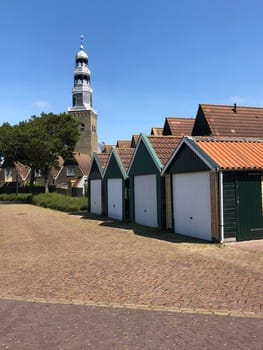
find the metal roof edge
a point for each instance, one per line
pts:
(152, 152)
(189, 141)
(201, 154)
(115, 154)
(108, 161)
(133, 156)
(96, 159)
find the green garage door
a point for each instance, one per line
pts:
(249, 206)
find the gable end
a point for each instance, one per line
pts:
(201, 126)
(186, 161)
(143, 162)
(94, 171)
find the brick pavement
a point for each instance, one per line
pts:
(41, 326)
(48, 255)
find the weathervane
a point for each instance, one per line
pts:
(81, 39)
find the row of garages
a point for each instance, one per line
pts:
(206, 188)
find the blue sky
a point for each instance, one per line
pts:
(149, 58)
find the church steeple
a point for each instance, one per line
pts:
(82, 91)
(81, 109)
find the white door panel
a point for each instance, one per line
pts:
(191, 204)
(95, 197)
(115, 198)
(145, 200)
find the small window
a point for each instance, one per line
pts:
(70, 170)
(82, 127)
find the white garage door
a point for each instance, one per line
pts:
(95, 197)
(115, 198)
(145, 200)
(191, 203)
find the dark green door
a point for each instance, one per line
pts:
(249, 206)
(230, 205)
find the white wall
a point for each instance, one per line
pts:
(95, 197)
(115, 198)
(191, 205)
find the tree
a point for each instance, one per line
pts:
(39, 141)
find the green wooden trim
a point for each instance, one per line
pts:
(201, 154)
(95, 160)
(152, 152)
(113, 165)
(189, 142)
(96, 171)
(145, 160)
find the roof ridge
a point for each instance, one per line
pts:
(230, 105)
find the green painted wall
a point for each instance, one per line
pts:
(143, 163)
(186, 161)
(113, 169)
(94, 172)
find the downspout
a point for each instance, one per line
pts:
(221, 207)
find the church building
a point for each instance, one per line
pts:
(82, 109)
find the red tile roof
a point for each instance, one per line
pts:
(134, 140)
(125, 155)
(157, 131)
(107, 148)
(103, 158)
(234, 122)
(83, 161)
(234, 154)
(123, 144)
(177, 126)
(164, 146)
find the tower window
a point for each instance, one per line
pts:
(82, 127)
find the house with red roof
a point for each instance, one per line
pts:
(230, 121)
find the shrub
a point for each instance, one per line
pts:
(13, 197)
(60, 202)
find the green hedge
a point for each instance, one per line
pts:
(49, 200)
(60, 202)
(13, 197)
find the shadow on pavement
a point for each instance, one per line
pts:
(140, 230)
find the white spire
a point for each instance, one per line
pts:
(82, 91)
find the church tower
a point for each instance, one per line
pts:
(81, 108)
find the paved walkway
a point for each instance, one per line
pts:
(42, 326)
(51, 256)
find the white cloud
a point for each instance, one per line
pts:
(237, 99)
(41, 104)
